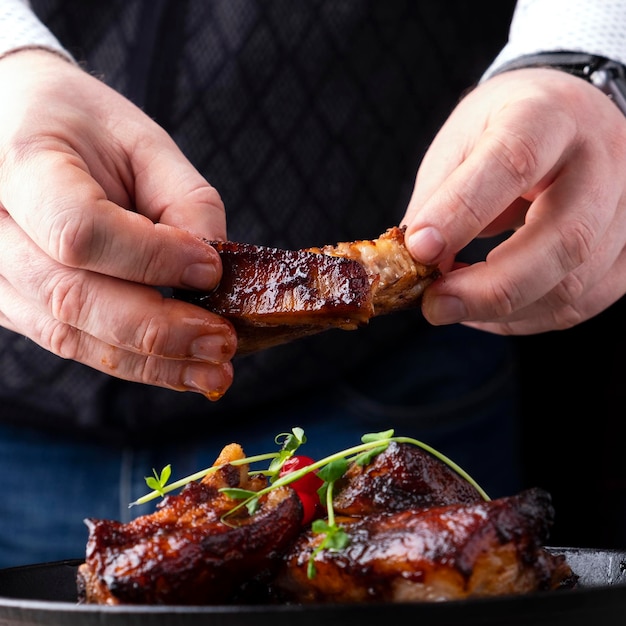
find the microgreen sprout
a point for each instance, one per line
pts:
(329, 469)
(335, 537)
(158, 481)
(289, 443)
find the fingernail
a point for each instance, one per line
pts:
(200, 276)
(211, 382)
(211, 348)
(426, 244)
(446, 310)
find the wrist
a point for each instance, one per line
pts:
(607, 75)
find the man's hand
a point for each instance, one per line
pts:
(543, 153)
(97, 207)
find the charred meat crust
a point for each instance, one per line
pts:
(184, 553)
(417, 532)
(433, 554)
(397, 282)
(402, 477)
(273, 296)
(268, 286)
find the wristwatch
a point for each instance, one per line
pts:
(607, 75)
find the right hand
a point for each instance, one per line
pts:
(542, 153)
(97, 207)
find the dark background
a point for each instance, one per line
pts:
(574, 398)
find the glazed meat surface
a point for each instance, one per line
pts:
(417, 532)
(401, 477)
(396, 281)
(183, 553)
(273, 296)
(432, 554)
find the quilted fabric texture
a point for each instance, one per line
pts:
(310, 118)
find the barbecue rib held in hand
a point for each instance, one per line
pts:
(273, 296)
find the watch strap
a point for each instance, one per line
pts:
(607, 75)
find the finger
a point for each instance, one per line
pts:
(508, 160)
(135, 161)
(581, 295)
(123, 315)
(543, 317)
(564, 228)
(210, 379)
(81, 228)
(512, 218)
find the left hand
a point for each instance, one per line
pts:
(543, 153)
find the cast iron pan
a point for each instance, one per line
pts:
(46, 594)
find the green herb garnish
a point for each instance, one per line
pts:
(330, 469)
(158, 481)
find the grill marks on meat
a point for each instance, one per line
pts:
(418, 532)
(437, 553)
(183, 553)
(273, 296)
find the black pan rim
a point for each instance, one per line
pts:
(598, 593)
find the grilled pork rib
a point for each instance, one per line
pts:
(401, 477)
(183, 553)
(273, 296)
(417, 532)
(396, 281)
(438, 553)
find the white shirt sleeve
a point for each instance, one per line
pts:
(593, 26)
(20, 28)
